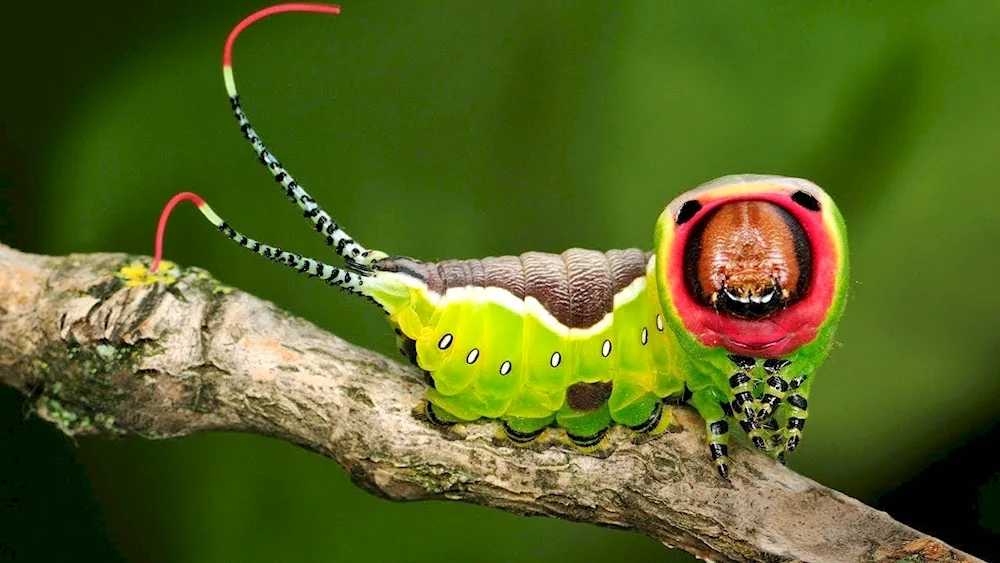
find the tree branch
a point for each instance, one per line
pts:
(97, 356)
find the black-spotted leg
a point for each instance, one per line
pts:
(715, 410)
(742, 386)
(775, 437)
(770, 426)
(798, 381)
(796, 421)
(777, 387)
(797, 410)
(756, 434)
(743, 403)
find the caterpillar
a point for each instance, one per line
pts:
(732, 311)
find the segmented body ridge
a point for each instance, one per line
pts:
(577, 287)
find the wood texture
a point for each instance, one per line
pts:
(95, 356)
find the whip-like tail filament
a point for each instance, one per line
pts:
(335, 236)
(340, 277)
(358, 258)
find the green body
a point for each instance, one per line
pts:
(490, 354)
(545, 357)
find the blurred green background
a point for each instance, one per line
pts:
(456, 129)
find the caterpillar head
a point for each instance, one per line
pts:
(753, 264)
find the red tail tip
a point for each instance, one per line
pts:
(227, 52)
(162, 226)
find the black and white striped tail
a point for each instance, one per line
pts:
(349, 279)
(335, 236)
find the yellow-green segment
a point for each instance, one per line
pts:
(492, 355)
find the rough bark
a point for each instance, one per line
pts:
(96, 356)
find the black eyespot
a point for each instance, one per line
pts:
(805, 200)
(688, 211)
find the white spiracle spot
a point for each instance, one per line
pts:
(445, 341)
(555, 360)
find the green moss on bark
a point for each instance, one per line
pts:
(78, 386)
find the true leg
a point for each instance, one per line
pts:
(711, 408)
(743, 402)
(777, 387)
(796, 409)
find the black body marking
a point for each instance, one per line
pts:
(778, 383)
(774, 365)
(587, 441)
(743, 362)
(718, 428)
(805, 200)
(793, 442)
(798, 401)
(741, 399)
(652, 421)
(433, 417)
(520, 437)
(770, 403)
(718, 450)
(727, 409)
(690, 208)
(738, 378)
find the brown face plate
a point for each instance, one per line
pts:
(748, 258)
